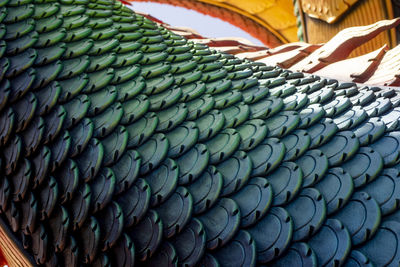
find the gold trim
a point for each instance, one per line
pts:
(303, 21)
(11, 251)
(390, 15)
(246, 13)
(364, 13)
(327, 10)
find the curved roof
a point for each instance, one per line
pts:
(271, 21)
(209, 146)
(334, 59)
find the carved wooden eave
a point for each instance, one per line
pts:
(331, 60)
(331, 16)
(274, 21)
(326, 10)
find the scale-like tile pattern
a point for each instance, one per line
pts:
(122, 143)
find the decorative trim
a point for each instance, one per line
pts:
(327, 10)
(253, 24)
(299, 20)
(12, 251)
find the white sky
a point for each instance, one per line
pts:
(205, 25)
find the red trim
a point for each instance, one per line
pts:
(125, 2)
(2, 259)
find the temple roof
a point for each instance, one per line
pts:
(122, 142)
(271, 21)
(332, 59)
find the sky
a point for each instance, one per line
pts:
(206, 25)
